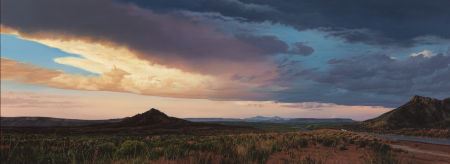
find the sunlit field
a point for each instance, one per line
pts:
(235, 148)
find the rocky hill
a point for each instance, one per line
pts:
(419, 112)
(153, 117)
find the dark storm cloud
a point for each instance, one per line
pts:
(302, 49)
(383, 22)
(371, 80)
(167, 36)
(233, 8)
(367, 36)
(384, 75)
(268, 44)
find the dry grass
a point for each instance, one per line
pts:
(235, 148)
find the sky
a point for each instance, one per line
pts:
(221, 58)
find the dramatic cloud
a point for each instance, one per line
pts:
(271, 51)
(371, 21)
(162, 81)
(120, 70)
(168, 38)
(369, 80)
(382, 74)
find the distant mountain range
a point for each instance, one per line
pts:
(213, 119)
(419, 112)
(154, 116)
(266, 119)
(274, 119)
(251, 119)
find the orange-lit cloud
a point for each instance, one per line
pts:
(116, 79)
(123, 70)
(184, 53)
(13, 70)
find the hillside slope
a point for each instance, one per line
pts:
(419, 112)
(153, 117)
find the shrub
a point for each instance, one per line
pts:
(343, 147)
(381, 147)
(106, 148)
(328, 142)
(302, 143)
(309, 160)
(131, 148)
(241, 150)
(362, 143)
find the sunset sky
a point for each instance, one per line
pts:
(102, 59)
